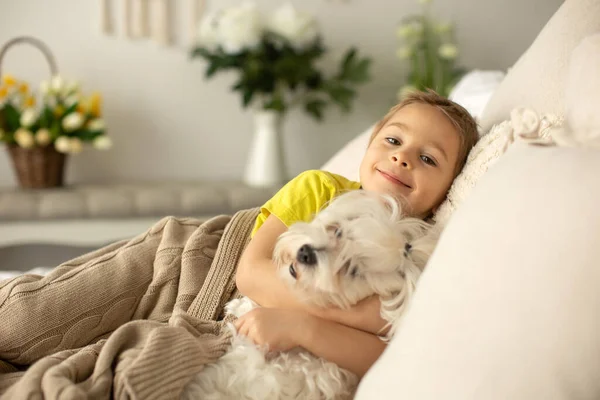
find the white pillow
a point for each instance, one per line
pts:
(474, 90)
(537, 80)
(487, 151)
(507, 307)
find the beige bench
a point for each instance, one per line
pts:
(46, 227)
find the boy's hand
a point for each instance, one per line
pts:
(278, 329)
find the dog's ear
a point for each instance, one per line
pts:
(394, 306)
(421, 247)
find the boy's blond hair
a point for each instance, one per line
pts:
(461, 119)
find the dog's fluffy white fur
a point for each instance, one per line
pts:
(359, 246)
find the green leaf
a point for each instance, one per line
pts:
(360, 73)
(342, 95)
(87, 135)
(201, 52)
(46, 118)
(72, 108)
(353, 69)
(12, 117)
(211, 70)
(276, 103)
(55, 129)
(238, 85)
(247, 97)
(314, 81)
(349, 59)
(315, 107)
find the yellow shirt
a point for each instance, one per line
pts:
(304, 196)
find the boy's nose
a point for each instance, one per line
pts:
(401, 160)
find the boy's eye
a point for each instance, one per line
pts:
(393, 141)
(428, 160)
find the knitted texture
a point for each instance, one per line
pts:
(136, 319)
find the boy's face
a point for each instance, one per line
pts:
(413, 157)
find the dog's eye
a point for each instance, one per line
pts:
(350, 269)
(335, 230)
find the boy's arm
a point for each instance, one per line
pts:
(352, 349)
(257, 278)
(283, 329)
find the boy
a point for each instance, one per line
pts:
(414, 154)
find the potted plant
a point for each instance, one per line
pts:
(429, 48)
(39, 133)
(39, 138)
(275, 58)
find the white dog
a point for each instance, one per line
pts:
(358, 246)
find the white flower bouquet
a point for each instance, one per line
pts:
(276, 59)
(429, 48)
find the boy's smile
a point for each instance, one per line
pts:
(399, 179)
(413, 157)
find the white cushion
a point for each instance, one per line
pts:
(488, 150)
(508, 307)
(537, 79)
(485, 153)
(474, 90)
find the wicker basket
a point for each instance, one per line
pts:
(38, 167)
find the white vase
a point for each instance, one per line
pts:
(265, 166)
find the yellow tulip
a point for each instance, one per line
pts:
(83, 106)
(9, 80)
(3, 92)
(96, 104)
(30, 101)
(23, 88)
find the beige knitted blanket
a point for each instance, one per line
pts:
(134, 320)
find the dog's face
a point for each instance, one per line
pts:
(352, 249)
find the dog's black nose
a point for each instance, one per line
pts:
(306, 255)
